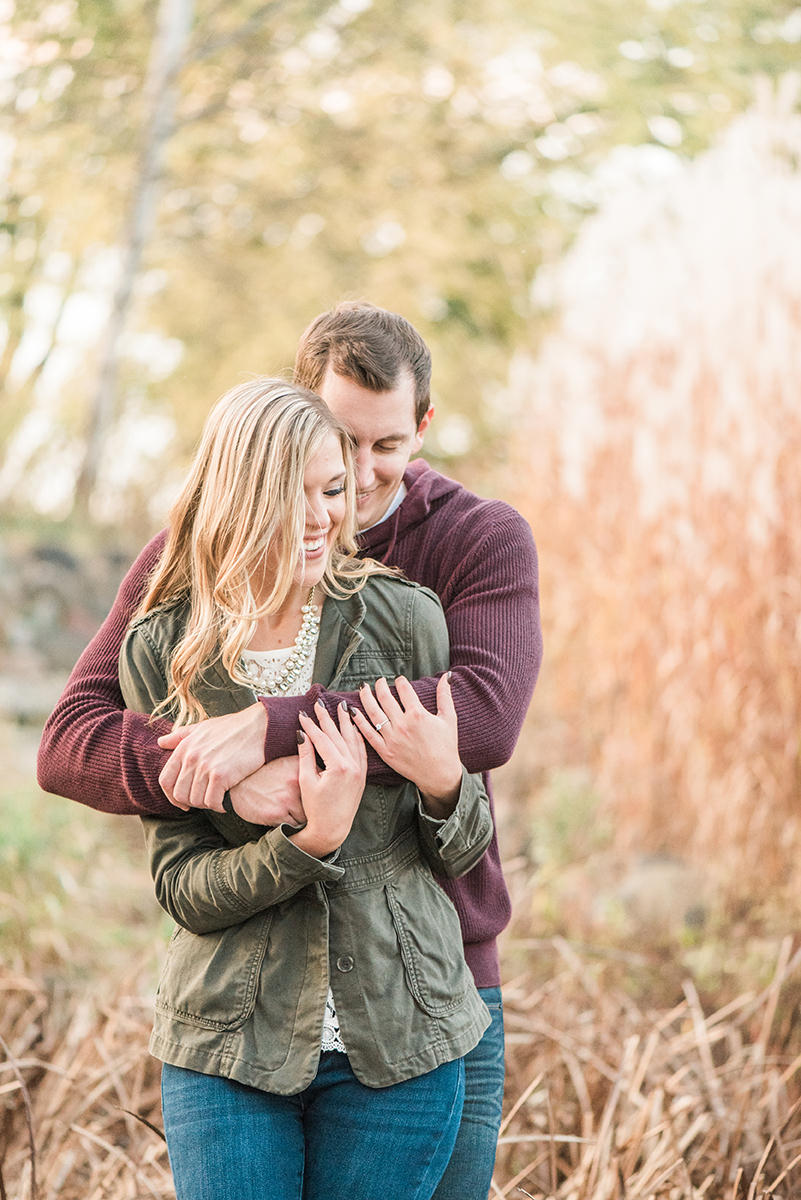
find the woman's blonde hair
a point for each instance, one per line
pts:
(242, 501)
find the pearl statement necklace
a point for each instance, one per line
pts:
(271, 682)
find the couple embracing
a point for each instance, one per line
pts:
(300, 688)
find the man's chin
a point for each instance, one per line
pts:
(365, 520)
(374, 512)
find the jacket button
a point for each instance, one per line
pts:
(344, 963)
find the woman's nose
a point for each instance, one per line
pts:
(316, 516)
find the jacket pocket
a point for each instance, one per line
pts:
(211, 979)
(430, 939)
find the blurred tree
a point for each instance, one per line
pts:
(427, 158)
(169, 48)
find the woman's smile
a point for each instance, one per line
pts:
(324, 487)
(315, 544)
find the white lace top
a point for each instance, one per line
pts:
(263, 666)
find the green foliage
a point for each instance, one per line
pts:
(76, 895)
(567, 826)
(428, 158)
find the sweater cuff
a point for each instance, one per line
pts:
(281, 737)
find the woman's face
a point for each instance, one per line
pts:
(324, 485)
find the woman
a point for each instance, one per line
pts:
(314, 1006)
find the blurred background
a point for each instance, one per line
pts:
(592, 213)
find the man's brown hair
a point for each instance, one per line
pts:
(368, 345)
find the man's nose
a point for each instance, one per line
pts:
(365, 473)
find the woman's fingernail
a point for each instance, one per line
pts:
(301, 738)
(449, 676)
(343, 704)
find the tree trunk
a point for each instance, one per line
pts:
(169, 49)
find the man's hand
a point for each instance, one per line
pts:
(213, 756)
(270, 795)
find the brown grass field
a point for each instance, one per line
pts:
(606, 1099)
(653, 1045)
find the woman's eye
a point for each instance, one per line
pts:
(335, 491)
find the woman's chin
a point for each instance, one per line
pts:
(312, 570)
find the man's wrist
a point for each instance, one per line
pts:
(264, 705)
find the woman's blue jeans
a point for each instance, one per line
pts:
(336, 1140)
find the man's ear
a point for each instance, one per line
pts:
(421, 429)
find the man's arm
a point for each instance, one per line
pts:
(96, 751)
(489, 591)
(488, 586)
(92, 749)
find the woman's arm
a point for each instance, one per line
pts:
(454, 815)
(205, 884)
(202, 881)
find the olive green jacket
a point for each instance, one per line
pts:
(264, 927)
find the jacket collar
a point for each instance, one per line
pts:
(339, 636)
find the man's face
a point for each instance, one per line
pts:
(385, 436)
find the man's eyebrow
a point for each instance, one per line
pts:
(392, 437)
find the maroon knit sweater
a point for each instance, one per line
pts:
(477, 555)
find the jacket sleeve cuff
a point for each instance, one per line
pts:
(298, 863)
(455, 844)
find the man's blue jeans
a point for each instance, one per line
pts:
(336, 1140)
(469, 1172)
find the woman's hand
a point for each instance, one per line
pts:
(330, 797)
(419, 745)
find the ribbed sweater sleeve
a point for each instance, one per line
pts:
(480, 559)
(489, 591)
(93, 749)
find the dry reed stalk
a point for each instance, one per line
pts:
(88, 1081)
(661, 480)
(651, 1105)
(605, 1100)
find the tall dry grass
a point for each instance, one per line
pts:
(77, 1087)
(605, 1099)
(662, 423)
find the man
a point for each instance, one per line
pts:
(373, 369)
